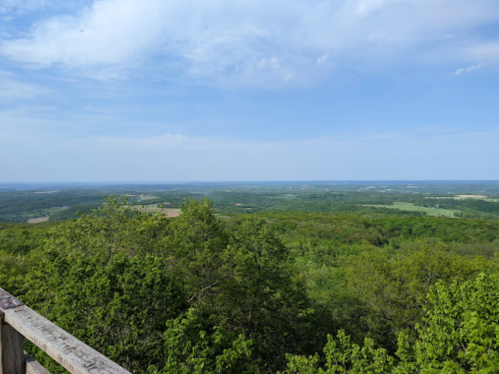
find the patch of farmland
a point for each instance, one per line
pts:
(47, 212)
(478, 197)
(466, 197)
(38, 220)
(171, 213)
(410, 207)
(146, 197)
(55, 209)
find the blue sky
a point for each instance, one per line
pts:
(169, 90)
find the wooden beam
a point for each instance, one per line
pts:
(72, 354)
(11, 349)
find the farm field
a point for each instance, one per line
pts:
(44, 214)
(146, 198)
(410, 207)
(38, 220)
(171, 213)
(465, 197)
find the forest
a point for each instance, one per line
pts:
(302, 290)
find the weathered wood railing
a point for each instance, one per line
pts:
(18, 321)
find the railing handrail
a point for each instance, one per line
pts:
(72, 354)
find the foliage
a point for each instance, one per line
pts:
(118, 306)
(342, 356)
(193, 345)
(263, 300)
(113, 228)
(395, 289)
(196, 248)
(215, 294)
(460, 334)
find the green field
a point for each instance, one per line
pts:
(55, 209)
(43, 213)
(154, 208)
(410, 207)
(146, 197)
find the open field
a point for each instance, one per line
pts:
(47, 211)
(55, 209)
(410, 207)
(146, 197)
(466, 197)
(38, 220)
(171, 213)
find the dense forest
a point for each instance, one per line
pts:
(290, 291)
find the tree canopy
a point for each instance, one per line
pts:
(263, 293)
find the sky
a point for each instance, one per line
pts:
(248, 90)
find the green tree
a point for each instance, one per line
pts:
(459, 335)
(395, 289)
(193, 344)
(116, 227)
(118, 306)
(196, 247)
(262, 300)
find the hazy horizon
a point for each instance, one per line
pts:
(151, 182)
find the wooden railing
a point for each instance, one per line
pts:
(18, 321)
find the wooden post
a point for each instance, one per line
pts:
(72, 354)
(33, 366)
(11, 348)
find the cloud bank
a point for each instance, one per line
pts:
(249, 42)
(469, 69)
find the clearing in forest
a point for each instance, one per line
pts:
(171, 213)
(410, 207)
(146, 197)
(38, 220)
(465, 197)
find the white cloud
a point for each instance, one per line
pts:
(15, 90)
(243, 42)
(365, 7)
(111, 32)
(113, 143)
(11, 89)
(20, 6)
(484, 51)
(322, 60)
(469, 69)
